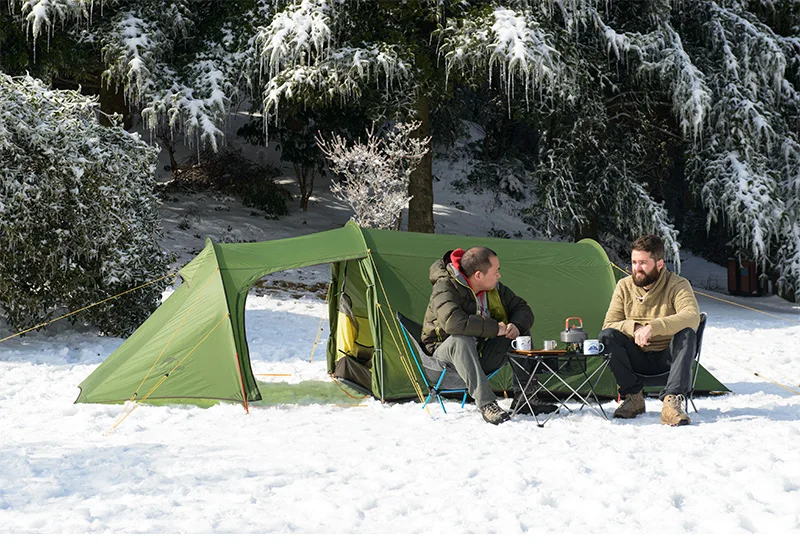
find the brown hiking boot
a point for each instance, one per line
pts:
(672, 413)
(492, 413)
(632, 405)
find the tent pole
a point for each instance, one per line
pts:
(241, 383)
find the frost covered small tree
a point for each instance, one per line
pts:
(373, 175)
(78, 218)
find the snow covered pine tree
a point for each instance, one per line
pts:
(644, 109)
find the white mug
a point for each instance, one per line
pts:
(592, 347)
(522, 343)
(550, 345)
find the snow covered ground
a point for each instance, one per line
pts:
(312, 458)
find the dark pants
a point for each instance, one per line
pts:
(628, 359)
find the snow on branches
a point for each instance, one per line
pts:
(194, 99)
(373, 175)
(44, 15)
(144, 46)
(305, 60)
(629, 107)
(512, 42)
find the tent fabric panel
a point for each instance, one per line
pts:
(236, 303)
(199, 265)
(331, 351)
(242, 264)
(612, 271)
(708, 384)
(192, 329)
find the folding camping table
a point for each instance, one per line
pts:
(554, 366)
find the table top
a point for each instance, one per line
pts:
(542, 352)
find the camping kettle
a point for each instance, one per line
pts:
(574, 334)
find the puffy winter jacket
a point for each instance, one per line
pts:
(453, 308)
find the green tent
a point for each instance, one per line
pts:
(194, 347)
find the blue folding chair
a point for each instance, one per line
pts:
(440, 377)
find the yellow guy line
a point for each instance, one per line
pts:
(164, 377)
(759, 375)
(787, 378)
(347, 393)
(746, 307)
(319, 328)
(169, 341)
(88, 307)
(401, 347)
(726, 301)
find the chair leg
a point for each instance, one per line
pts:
(690, 397)
(436, 390)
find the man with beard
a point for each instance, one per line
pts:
(650, 329)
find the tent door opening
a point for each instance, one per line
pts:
(354, 342)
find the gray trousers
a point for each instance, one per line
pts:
(462, 353)
(628, 359)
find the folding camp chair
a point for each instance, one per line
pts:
(654, 383)
(439, 377)
(700, 329)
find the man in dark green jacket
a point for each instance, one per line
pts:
(471, 320)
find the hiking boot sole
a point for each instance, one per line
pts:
(497, 421)
(627, 416)
(681, 423)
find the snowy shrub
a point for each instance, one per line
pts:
(78, 220)
(373, 176)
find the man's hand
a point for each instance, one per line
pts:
(642, 335)
(501, 329)
(512, 332)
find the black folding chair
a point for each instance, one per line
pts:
(654, 383)
(700, 329)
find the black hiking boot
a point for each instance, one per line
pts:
(520, 407)
(492, 413)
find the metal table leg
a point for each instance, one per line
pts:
(540, 362)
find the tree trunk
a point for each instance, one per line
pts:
(589, 230)
(420, 183)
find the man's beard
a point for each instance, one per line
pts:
(648, 279)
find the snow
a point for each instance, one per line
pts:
(315, 458)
